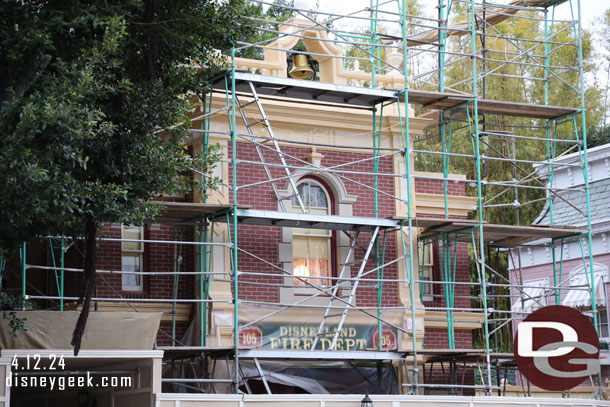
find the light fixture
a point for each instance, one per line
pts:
(366, 401)
(301, 69)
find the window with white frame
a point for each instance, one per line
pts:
(311, 248)
(426, 263)
(602, 320)
(132, 254)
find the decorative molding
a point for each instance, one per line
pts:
(342, 206)
(438, 319)
(434, 204)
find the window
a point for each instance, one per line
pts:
(311, 254)
(602, 320)
(579, 294)
(132, 256)
(426, 262)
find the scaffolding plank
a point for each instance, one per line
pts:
(193, 351)
(310, 221)
(309, 90)
(492, 233)
(184, 212)
(523, 109)
(314, 91)
(441, 101)
(319, 354)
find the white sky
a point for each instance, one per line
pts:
(590, 8)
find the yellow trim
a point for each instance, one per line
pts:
(183, 311)
(434, 204)
(438, 319)
(438, 175)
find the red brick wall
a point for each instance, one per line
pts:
(158, 257)
(433, 186)
(437, 373)
(437, 339)
(263, 241)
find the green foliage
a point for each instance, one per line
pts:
(514, 83)
(86, 90)
(79, 123)
(598, 136)
(8, 303)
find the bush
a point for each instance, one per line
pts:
(9, 303)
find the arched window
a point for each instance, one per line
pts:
(311, 248)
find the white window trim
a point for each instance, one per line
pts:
(428, 297)
(343, 204)
(327, 235)
(139, 287)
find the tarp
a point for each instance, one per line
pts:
(324, 377)
(105, 330)
(580, 294)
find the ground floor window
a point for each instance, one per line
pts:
(426, 263)
(132, 258)
(311, 254)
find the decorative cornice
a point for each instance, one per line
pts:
(434, 204)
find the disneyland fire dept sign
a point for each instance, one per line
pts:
(297, 337)
(556, 348)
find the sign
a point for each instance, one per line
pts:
(251, 337)
(301, 337)
(557, 348)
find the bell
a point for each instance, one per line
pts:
(301, 69)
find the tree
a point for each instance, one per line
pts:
(604, 34)
(511, 82)
(85, 87)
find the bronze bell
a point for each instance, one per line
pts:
(301, 69)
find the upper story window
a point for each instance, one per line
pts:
(311, 248)
(426, 264)
(132, 258)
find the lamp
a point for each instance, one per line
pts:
(366, 401)
(301, 69)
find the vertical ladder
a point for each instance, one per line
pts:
(277, 146)
(351, 297)
(258, 149)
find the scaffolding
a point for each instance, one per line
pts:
(428, 52)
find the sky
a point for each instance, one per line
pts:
(590, 8)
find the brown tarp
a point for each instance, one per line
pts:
(492, 17)
(105, 330)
